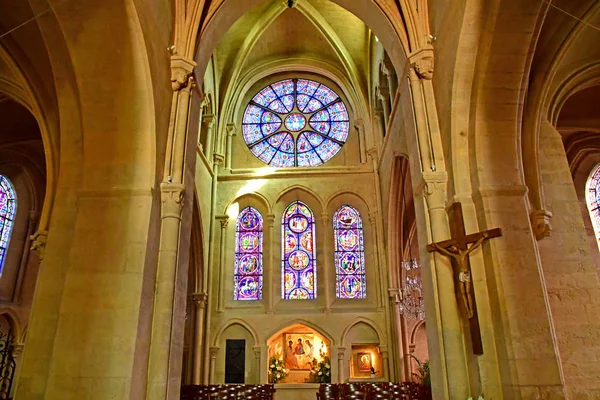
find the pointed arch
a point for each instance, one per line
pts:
(8, 210)
(235, 321)
(248, 274)
(298, 253)
(306, 323)
(367, 322)
(349, 254)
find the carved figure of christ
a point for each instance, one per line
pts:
(458, 249)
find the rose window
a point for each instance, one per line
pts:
(295, 123)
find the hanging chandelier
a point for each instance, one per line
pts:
(411, 303)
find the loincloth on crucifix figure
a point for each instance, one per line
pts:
(464, 272)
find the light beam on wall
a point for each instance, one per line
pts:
(251, 186)
(233, 210)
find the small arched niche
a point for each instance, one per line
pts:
(365, 355)
(299, 348)
(235, 355)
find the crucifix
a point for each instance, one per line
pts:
(458, 249)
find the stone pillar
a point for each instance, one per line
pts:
(359, 125)
(213, 363)
(385, 361)
(383, 95)
(341, 358)
(163, 371)
(199, 300)
(209, 121)
(231, 132)
(327, 262)
(31, 223)
(269, 266)
(223, 220)
(379, 272)
(257, 356)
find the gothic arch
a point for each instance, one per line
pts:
(251, 197)
(346, 194)
(14, 322)
(235, 321)
(300, 321)
(365, 321)
(307, 192)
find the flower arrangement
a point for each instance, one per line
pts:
(277, 372)
(321, 372)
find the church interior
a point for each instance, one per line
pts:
(296, 193)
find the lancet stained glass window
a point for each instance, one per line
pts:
(351, 282)
(8, 209)
(295, 123)
(248, 255)
(298, 259)
(592, 190)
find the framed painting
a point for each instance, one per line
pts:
(364, 362)
(299, 351)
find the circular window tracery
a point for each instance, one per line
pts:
(295, 122)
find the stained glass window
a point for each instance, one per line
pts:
(295, 123)
(593, 200)
(8, 208)
(298, 260)
(351, 282)
(248, 255)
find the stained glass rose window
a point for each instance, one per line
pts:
(295, 123)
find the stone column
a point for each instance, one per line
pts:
(359, 125)
(223, 220)
(31, 222)
(257, 356)
(269, 265)
(379, 272)
(209, 121)
(231, 132)
(199, 300)
(385, 361)
(213, 363)
(383, 94)
(341, 358)
(327, 263)
(161, 383)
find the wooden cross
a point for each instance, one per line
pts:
(458, 249)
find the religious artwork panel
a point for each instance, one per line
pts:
(8, 208)
(364, 362)
(349, 255)
(248, 277)
(298, 259)
(295, 123)
(299, 351)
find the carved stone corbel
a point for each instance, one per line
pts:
(424, 68)
(171, 197)
(198, 299)
(38, 243)
(540, 223)
(181, 71)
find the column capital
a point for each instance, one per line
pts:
(218, 159)
(171, 197)
(223, 219)
(324, 218)
(384, 350)
(181, 72)
(340, 352)
(257, 350)
(231, 129)
(540, 223)
(383, 93)
(38, 243)
(373, 217)
(270, 218)
(209, 120)
(198, 299)
(213, 351)
(422, 63)
(17, 349)
(359, 124)
(373, 153)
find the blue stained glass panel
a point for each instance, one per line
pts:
(349, 256)
(8, 208)
(251, 132)
(248, 274)
(313, 115)
(298, 253)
